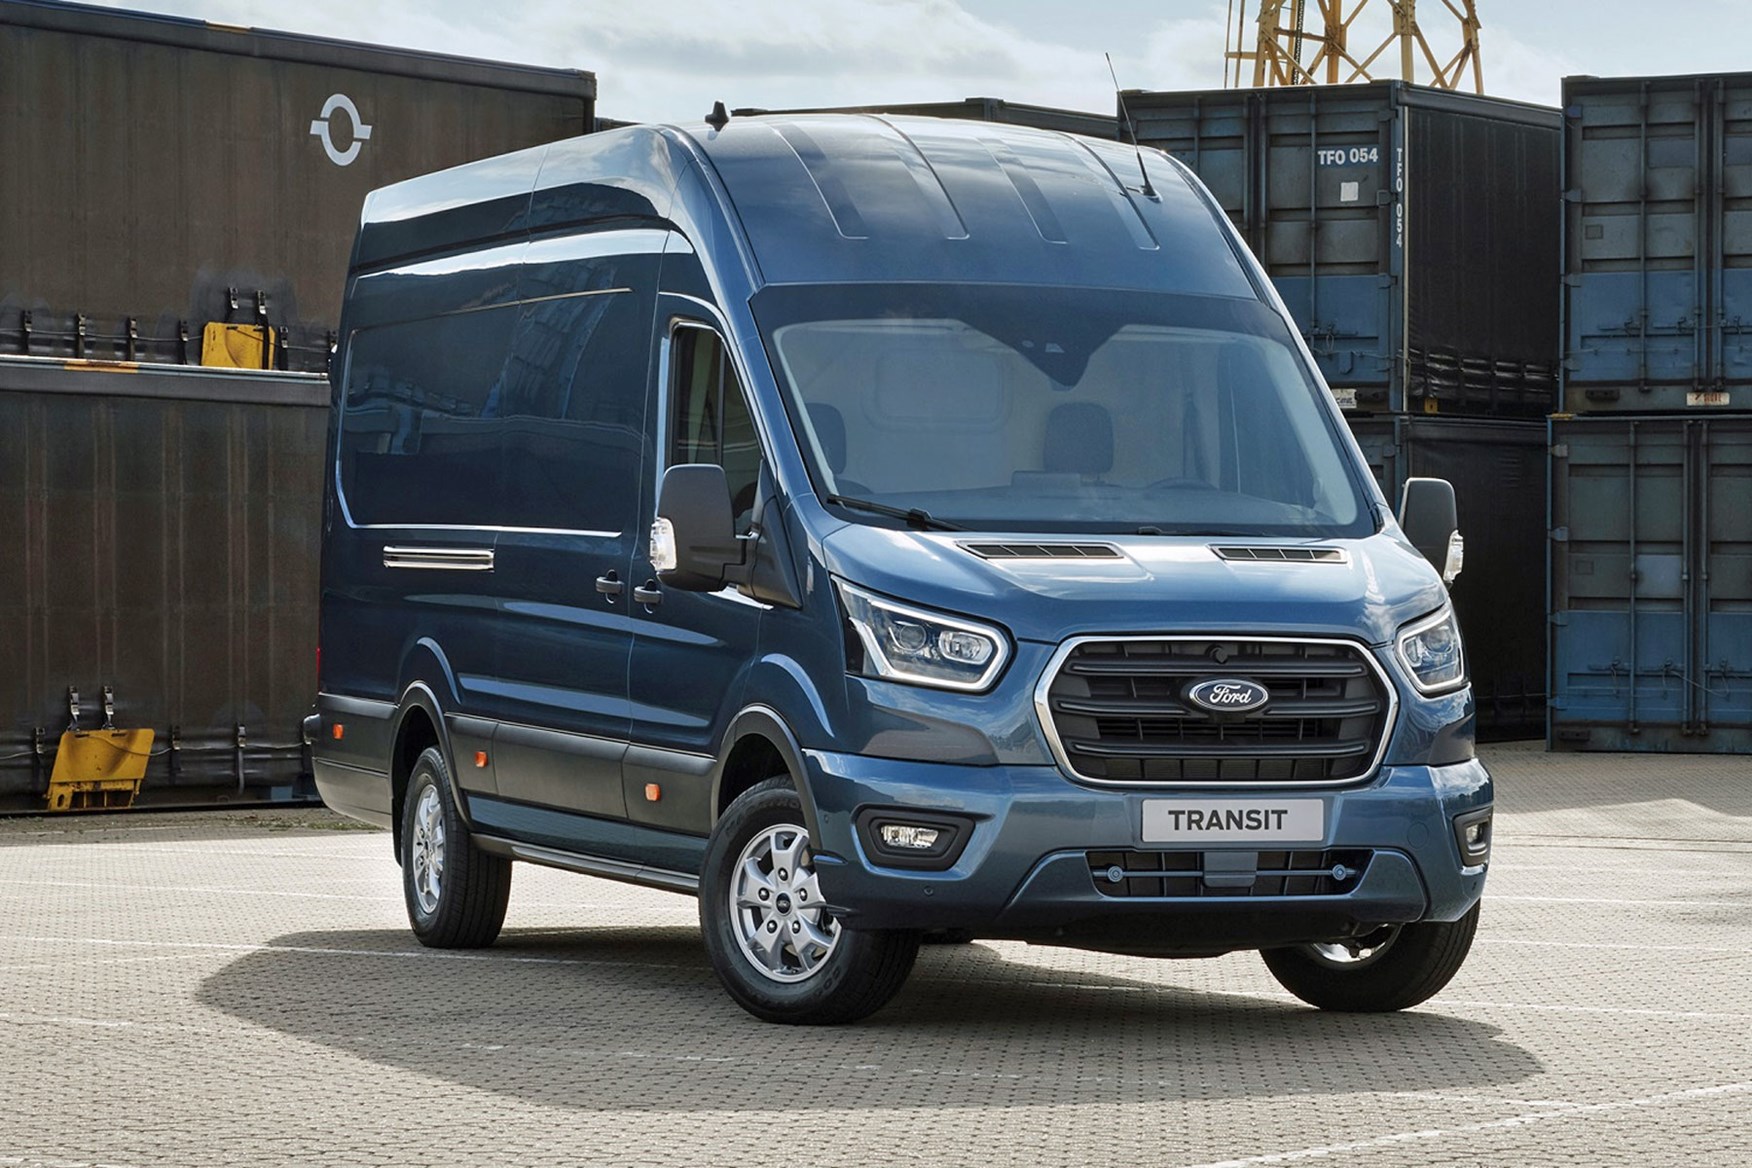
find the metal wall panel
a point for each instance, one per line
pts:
(164, 535)
(1498, 472)
(1412, 233)
(1658, 243)
(1651, 584)
(154, 164)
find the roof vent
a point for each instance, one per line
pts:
(1043, 551)
(1285, 555)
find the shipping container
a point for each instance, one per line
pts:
(976, 109)
(161, 527)
(1498, 471)
(161, 174)
(1651, 584)
(1413, 233)
(1657, 243)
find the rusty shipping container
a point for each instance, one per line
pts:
(163, 173)
(161, 534)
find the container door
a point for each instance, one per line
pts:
(1621, 650)
(571, 410)
(1327, 176)
(1722, 624)
(1732, 319)
(1635, 292)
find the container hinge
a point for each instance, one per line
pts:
(1573, 195)
(1559, 620)
(237, 755)
(1560, 535)
(1560, 450)
(81, 334)
(109, 708)
(1386, 280)
(1384, 197)
(133, 349)
(72, 710)
(182, 342)
(1572, 280)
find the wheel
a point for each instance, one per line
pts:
(456, 893)
(1392, 968)
(767, 932)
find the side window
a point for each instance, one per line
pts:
(571, 411)
(709, 419)
(419, 443)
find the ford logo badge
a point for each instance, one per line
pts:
(1228, 695)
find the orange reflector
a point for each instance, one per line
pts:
(480, 758)
(653, 792)
(340, 731)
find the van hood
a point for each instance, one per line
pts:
(1041, 590)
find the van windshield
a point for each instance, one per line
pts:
(1061, 409)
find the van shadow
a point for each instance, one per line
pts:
(617, 1019)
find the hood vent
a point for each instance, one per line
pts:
(1285, 555)
(1043, 551)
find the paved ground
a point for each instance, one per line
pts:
(240, 989)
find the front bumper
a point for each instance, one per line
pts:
(1025, 869)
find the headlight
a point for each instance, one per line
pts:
(916, 645)
(1431, 652)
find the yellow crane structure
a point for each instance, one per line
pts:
(1287, 51)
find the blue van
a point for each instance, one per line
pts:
(881, 529)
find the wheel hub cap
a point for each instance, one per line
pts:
(426, 851)
(776, 907)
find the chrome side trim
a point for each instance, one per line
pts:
(447, 559)
(591, 865)
(1043, 712)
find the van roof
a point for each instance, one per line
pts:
(838, 198)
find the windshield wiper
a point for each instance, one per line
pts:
(914, 517)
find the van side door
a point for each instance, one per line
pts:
(691, 650)
(574, 453)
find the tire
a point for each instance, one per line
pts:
(811, 970)
(1393, 968)
(456, 893)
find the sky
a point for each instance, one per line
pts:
(668, 61)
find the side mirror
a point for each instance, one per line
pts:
(1431, 521)
(694, 539)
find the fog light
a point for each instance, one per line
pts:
(900, 837)
(910, 836)
(1472, 833)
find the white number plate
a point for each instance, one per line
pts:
(1234, 821)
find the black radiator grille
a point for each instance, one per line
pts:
(1163, 874)
(1120, 711)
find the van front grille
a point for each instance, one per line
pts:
(1181, 874)
(1119, 711)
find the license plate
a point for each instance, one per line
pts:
(1234, 821)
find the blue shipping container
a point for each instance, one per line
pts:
(1413, 233)
(1651, 584)
(1657, 243)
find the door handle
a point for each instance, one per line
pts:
(610, 586)
(648, 594)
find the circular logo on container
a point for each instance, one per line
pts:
(1228, 695)
(323, 128)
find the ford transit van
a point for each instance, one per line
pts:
(882, 528)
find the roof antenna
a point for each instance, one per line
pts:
(719, 117)
(1149, 191)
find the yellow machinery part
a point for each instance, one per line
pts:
(236, 346)
(98, 768)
